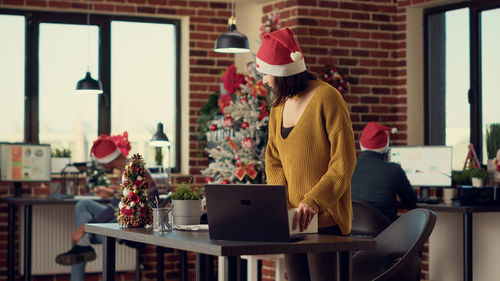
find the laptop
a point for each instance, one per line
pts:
(248, 212)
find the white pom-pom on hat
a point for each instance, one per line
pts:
(296, 56)
(394, 130)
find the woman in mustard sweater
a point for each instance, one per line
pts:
(310, 149)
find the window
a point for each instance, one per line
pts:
(490, 69)
(143, 78)
(136, 59)
(12, 77)
(461, 96)
(67, 119)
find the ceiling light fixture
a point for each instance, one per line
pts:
(88, 84)
(231, 41)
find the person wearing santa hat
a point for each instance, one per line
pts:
(310, 149)
(379, 182)
(111, 153)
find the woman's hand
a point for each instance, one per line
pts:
(303, 216)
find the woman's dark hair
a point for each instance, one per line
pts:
(289, 86)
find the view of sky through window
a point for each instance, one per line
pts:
(490, 44)
(457, 84)
(12, 78)
(143, 63)
(68, 119)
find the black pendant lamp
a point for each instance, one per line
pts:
(88, 84)
(231, 41)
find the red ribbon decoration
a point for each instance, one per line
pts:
(245, 169)
(232, 144)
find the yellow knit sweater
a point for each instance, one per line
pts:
(316, 161)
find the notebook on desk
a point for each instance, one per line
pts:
(242, 212)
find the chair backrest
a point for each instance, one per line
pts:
(397, 254)
(368, 221)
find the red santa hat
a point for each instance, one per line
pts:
(375, 137)
(279, 54)
(107, 148)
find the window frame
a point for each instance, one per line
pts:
(33, 19)
(475, 91)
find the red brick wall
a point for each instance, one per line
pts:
(362, 39)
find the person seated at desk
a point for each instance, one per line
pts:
(379, 182)
(111, 153)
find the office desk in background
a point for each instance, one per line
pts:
(59, 211)
(465, 243)
(199, 242)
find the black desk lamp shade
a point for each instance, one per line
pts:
(159, 138)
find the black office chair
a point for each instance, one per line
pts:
(397, 255)
(368, 221)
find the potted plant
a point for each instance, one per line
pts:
(60, 158)
(477, 176)
(460, 178)
(186, 201)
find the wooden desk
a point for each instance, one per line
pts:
(200, 242)
(467, 229)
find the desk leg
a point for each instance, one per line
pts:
(183, 262)
(160, 261)
(345, 266)
(12, 239)
(137, 265)
(27, 242)
(467, 228)
(108, 259)
(232, 268)
(204, 267)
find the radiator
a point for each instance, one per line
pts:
(52, 227)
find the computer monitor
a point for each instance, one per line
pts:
(22, 162)
(425, 166)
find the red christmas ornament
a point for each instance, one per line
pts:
(213, 127)
(228, 121)
(208, 179)
(244, 99)
(225, 182)
(247, 143)
(244, 125)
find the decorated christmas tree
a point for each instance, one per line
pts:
(95, 175)
(135, 207)
(234, 123)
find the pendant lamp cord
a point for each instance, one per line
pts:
(88, 36)
(232, 8)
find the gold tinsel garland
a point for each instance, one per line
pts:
(134, 209)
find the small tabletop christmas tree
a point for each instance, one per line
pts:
(134, 208)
